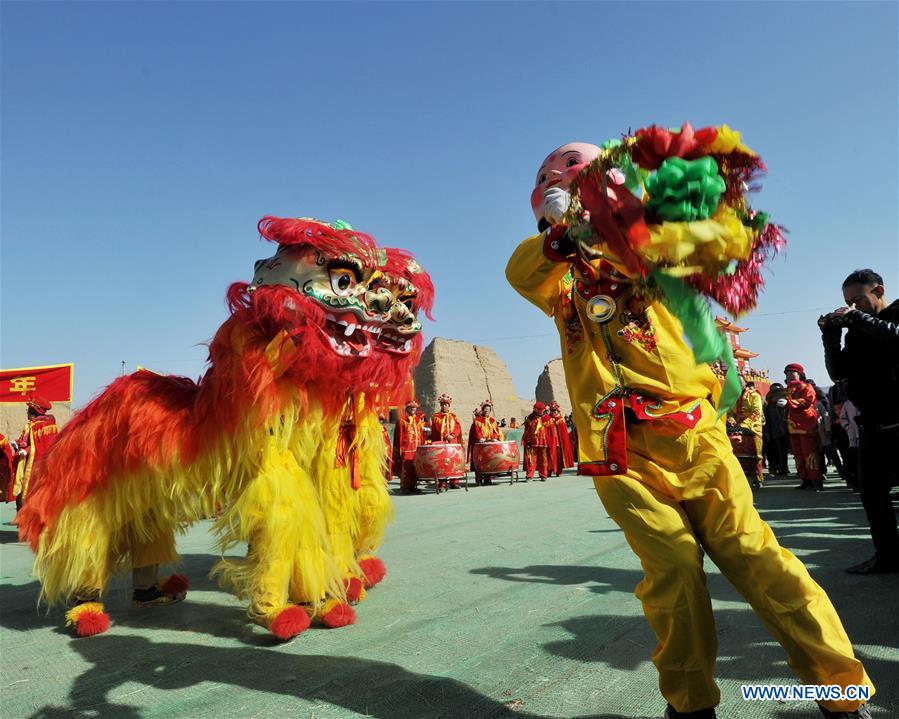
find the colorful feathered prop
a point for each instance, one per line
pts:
(670, 208)
(268, 435)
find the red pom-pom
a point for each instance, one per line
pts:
(175, 584)
(374, 570)
(340, 615)
(353, 589)
(290, 621)
(90, 623)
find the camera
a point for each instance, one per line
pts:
(832, 321)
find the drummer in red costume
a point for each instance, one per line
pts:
(36, 439)
(539, 429)
(802, 424)
(407, 436)
(562, 455)
(484, 428)
(446, 427)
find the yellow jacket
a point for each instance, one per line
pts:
(638, 359)
(748, 412)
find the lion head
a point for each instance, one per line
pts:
(350, 307)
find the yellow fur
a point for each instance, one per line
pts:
(93, 539)
(374, 508)
(289, 557)
(305, 524)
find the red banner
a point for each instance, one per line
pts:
(53, 383)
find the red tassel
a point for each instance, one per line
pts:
(340, 615)
(175, 584)
(90, 623)
(353, 589)
(374, 570)
(290, 621)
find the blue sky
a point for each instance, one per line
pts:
(141, 143)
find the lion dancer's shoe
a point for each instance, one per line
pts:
(355, 590)
(336, 613)
(171, 590)
(294, 619)
(374, 570)
(150, 591)
(88, 617)
(288, 622)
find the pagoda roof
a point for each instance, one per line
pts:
(725, 324)
(742, 353)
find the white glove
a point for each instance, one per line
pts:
(555, 204)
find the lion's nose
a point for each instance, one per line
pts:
(378, 300)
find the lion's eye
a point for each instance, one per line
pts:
(343, 281)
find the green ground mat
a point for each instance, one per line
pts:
(505, 601)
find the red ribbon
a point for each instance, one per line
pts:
(616, 218)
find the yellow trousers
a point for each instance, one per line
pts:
(685, 495)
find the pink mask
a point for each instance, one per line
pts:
(559, 169)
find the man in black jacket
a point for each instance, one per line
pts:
(777, 438)
(869, 362)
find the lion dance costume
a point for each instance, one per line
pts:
(633, 236)
(282, 432)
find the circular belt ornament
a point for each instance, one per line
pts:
(601, 308)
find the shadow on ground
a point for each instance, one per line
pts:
(368, 688)
(19, 610)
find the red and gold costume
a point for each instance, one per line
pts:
(563, 453)
(484, 428)
(538, 438)
(748, 414)
(38, 436)
(445, 426)
(802, 424)
(407, 436)
(281, 432)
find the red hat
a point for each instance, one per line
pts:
(539, 406)
(554, 405)
(445, 398)
(413, 403)
(795, 367)
(39, 404)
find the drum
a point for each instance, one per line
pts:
(496, 457)
(744, 446)
(439, 460)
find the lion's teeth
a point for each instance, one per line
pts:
(350, 328)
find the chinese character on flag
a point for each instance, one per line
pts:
(53, 383)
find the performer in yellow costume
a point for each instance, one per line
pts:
(650, 435)
(748, 414)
